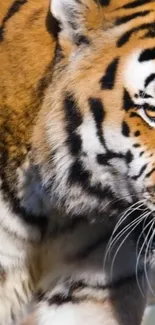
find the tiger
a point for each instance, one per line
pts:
(77, 161)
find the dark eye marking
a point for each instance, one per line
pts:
(127, 101)
(141, 154)
(97, 109)
(73, 121)
(149, 79)
(147, 55)
(125, 129)
(108, 80)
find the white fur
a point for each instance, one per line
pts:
(59, 8)
(135, 73)
(65, 11)
(69, 314)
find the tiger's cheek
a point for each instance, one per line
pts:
(143, 149)
(142, 134)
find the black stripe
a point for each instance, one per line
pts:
(149, 79)
(81, 176)
(126, 36)
(71, 297)
(104, 159)
(60, 299)
(103, 3)
(126, 19)
(108, 80)
(150, 173)
(15, 7)
(147, 55)
(150, 33)
(78, 175)
(97, 109)
(140, 173)
(73, 121)
(125, 129)
(135, 4)
(127, 101)
(129, 157)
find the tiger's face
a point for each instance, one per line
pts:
(100, 109)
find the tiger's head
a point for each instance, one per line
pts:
(95, 136)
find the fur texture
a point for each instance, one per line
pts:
(77, 161)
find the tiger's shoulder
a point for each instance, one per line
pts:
(27, 48)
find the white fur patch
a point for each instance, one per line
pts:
(135, 74)
(59, 8)
(67, 12)
(69, 314)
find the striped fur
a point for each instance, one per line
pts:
(77, 161)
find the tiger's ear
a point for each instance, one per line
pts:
(70, 14)
(76, 17)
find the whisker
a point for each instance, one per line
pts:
(120, 199)
(123, 241)
(140, 252)
(141, 203)
(121, 220)
(121, 233)
(145, 259)
(141, 234)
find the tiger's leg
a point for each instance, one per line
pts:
(76, 303)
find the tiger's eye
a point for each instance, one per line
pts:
(150, 113)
